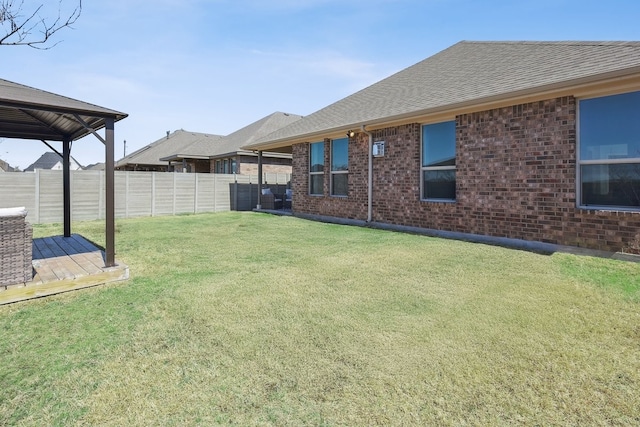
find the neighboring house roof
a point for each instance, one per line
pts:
(48, 161)
(230, 144)
(465, 74)
(5, 167)
(167, 145)
(95, 167)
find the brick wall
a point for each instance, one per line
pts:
(515, 173)
(354, 206)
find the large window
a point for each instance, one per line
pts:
(226, 165)
(339, 167)
(316, 168)
(439, 161)
(609, 154)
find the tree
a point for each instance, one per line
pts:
(26, 25)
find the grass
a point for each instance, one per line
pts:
(250, 319)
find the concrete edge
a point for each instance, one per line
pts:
(524, 245)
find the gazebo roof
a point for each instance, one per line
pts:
(29, 113)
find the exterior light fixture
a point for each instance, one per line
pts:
(351, 134)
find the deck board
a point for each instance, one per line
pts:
(43, 249)
(63, 264)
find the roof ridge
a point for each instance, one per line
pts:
(556, 42)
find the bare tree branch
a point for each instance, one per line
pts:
(20, 28)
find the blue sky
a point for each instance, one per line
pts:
(215, 66)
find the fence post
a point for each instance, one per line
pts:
(126, 195)
(215, 192)
(37, 201)
(195, 193)
(174, 192)
(235, 193)
(153, 193)
(99, 193)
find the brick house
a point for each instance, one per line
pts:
(522, 141)
(147, 158)
(225, 154)
(186, 151)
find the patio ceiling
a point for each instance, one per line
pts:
(34, 114)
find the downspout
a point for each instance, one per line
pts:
(370, 177)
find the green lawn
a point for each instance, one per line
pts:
(251, 319)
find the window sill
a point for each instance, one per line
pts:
(609, 208)
(439, 200)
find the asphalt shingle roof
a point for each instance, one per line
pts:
(47, 161)
(464, 73)
(165, 146)
(233, 142)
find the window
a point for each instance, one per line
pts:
(218, 166)
(234, 166)
(439, 161)
(339, 167)
(316, 168)
(609, 151)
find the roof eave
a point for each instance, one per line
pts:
(103, 113)
(273, 154)
(176, 157)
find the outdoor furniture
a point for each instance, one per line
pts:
(16, 237)
(288, 198)
(269, 200)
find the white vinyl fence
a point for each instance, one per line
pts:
(136, 193)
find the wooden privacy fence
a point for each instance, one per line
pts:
(137, 193)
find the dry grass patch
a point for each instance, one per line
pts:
(256, 320)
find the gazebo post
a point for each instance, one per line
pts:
(109, 192)
(66, 184)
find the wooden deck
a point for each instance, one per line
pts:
(62, 264)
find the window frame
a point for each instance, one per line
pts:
(424, 168)
(338, 171)
(316, 173)
(599, 162)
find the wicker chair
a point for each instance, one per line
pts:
(288, 198)
(16, 236)
(269, 200)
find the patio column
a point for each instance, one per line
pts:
(259, 180)
(66, 186)
(109, 193)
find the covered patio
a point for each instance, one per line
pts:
(27, 113)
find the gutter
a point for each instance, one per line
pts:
(370, 176)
